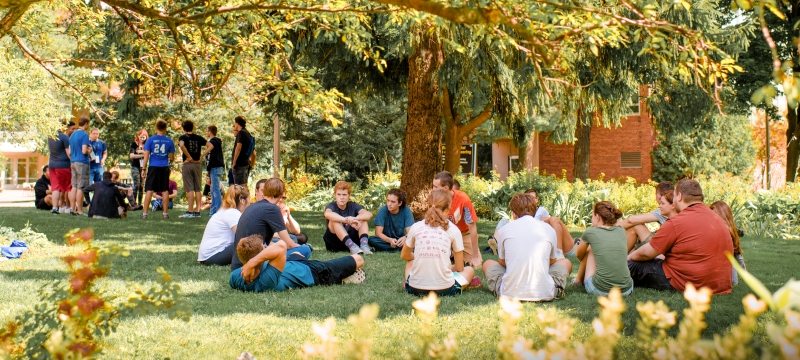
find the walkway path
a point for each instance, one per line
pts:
(16, 198)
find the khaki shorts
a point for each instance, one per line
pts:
(80, 175)
(192, 177)
(494, 276)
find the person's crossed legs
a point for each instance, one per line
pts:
(344, 233)
(649, 274)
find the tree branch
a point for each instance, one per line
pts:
(12, 16)
(476, 121)
(223, 81)
(36, 58)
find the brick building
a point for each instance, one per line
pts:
(617, 152)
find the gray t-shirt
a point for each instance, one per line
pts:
(58, 151)
(661, 218)
(541, 212)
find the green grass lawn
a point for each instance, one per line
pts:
(275, 325)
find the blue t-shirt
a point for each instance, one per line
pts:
(76, 142)
(98, 147)
(394, 226)
(58, 151)
(159, 147)
(294, 275)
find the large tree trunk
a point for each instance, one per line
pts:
(422, 145)
(452, 149)
(583, 133)
(792, 145)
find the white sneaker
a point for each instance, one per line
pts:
(354, 250)
(186, 215)
(357, 278)
(366, 250)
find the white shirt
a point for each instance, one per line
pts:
(430, 269)
(527, 245)
(541, 213)
(219, 233)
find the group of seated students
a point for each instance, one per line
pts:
(266, 250)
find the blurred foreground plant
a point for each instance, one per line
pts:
(73, 316)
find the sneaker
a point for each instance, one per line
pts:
(197, 215)
(186, 215)
(493, 245)
(355, 250)
(476, 282)
(143, 217)
(55, 211)
(164, 216)
(357, 278)
(366, 250)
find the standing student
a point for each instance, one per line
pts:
(98, 156)
(80, 148)
(392, 223)
(242, 150)
(346, 220)
(430, 243)
(603, 253)
(137, 164)
(215, 167)
(462, 213)
(192, 169)
(159, 151)
(59, 166)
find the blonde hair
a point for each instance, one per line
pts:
(439, 204)
(724, 211)
(234, 195)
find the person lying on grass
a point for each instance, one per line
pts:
(529, 267)
(265, 218)
(566, 245)
(266, 268)
(346, 220)
(603, 254)
(428, 249)
(392, 223)
(636, 231)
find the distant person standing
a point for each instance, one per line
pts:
(215, 167)
(98, 156)
(59, 166)
(159, 151)
(243, 150)
(137, 164)
(192, 171)
(79, 147)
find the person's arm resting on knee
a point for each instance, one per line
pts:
(634, 220)
(644, 253)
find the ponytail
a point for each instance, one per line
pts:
(439, 203)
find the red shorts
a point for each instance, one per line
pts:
(61, 179)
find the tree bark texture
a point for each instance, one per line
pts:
(583, 133)
(792, 145)
(422, 145)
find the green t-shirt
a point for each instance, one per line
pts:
(610, 249)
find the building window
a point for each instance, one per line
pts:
(631, 159)
(635, 110)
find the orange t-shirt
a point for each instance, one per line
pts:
(462, 213)
(694, 243)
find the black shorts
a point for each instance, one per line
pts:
(649, 274)
(240, 175)
(333, 244)
(331, 272)
(42, 205)
(157, 179)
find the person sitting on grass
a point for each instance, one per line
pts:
(430, 243)
(693, 242)
(462, 213)
(346, 220)
(292, 226)
(126, 190)
(265, 218)
(566, 244)
(529, 267)
(158, 203)
(637, 232)
(724, 211)
(266, 268)
(602, 250)
(666, 210)
(392, 223)
(107, 202)
(44, 197)
(217, 247)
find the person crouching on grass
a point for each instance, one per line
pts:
(266, 268)
(427, 249)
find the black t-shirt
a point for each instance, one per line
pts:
(263, 218)
(206, 190)
(135, 163)
(351, 209)
(41, 187)
(193, 144)
(106, 199)
(215, 159)
(243, 137)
